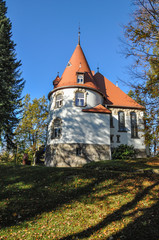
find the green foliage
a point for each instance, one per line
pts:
(31, 131)
(142, 44)
(11, 83)
(123, 151)
(6, 157)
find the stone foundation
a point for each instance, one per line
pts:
(65, 155)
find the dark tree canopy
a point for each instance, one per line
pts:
(11, 83)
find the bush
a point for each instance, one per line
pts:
(123, 151)
(6, 157)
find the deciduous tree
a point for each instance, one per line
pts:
(31, 131)
(142, 44)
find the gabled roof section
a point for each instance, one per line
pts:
(114, 95)
(77, 63)
(98, 109)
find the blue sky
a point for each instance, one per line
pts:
(46, 34)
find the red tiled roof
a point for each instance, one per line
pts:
(114, 95)
(77, 63)
(98, 109)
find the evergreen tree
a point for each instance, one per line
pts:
(11, 83)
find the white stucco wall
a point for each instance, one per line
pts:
(92, 128)
(125, 137)
(78, 126)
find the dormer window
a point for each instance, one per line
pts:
(80, 78)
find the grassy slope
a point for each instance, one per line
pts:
(86, 203)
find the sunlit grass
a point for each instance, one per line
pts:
(49, 203)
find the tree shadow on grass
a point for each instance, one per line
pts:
(144, 227)
(26, 192)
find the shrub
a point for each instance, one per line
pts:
(123, 151)
(6, 157)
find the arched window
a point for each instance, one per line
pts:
(121, 119)
(79, 99)
(134, 131)
(56, 129)
(58, 100)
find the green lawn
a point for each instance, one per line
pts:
(92, 202)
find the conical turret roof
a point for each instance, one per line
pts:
(77, 64)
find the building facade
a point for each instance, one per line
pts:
(89, 116)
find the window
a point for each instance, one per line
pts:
(58, 101)
(78, 151)
(56, 129)
(79, 99)
(118, 138)
(69, 64)
(134, 131)
(80, 78)
(111, 121)
(121, 119)
(111, 138)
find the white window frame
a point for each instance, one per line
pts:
(56, 129)
(80, 78)
(58, 102)
(79, 99)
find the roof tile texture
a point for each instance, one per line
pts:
(98, 109)
(113, 95)
(77, 63)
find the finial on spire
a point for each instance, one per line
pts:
(58, 74)
(79, 34)
(98, 69)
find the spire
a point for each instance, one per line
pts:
(77, 63)
(79, 35)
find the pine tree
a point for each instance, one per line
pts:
(11, 83)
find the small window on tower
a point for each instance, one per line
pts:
(79, 99)
(80, 78)
(69, 64)
(56, 129)
(58, 101)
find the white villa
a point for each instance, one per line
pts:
(89, 116)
